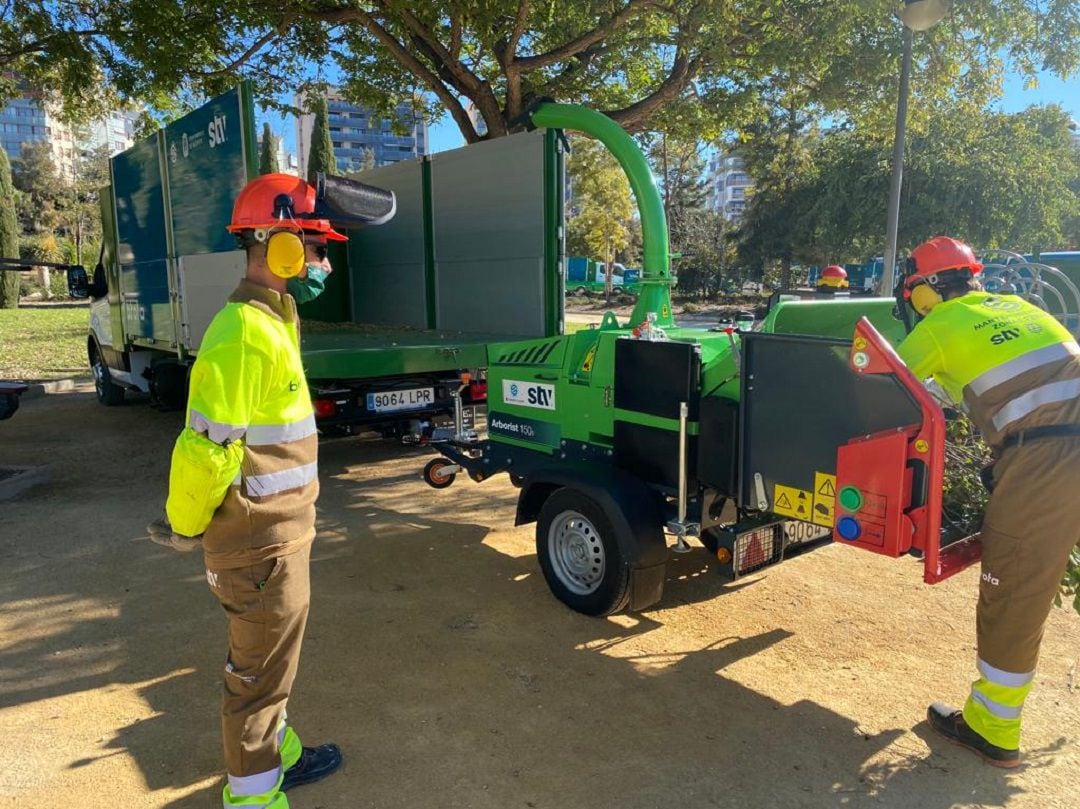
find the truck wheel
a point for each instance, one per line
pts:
(433, 475)
(108, 392)
(580, 554)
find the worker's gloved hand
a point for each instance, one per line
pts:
(162, 533)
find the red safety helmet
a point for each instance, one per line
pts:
(940, 254)
(833, 276)
(274, 201)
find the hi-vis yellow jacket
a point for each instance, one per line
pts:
(245, 469)
(1012, 364)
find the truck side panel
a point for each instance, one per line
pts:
(387, 263)
(490, 242)
(142, 250)
(206, 281)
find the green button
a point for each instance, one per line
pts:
(851, 498)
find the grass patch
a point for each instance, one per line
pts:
(43, 343)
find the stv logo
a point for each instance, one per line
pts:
(514, 390)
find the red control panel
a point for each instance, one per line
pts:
(888, 485)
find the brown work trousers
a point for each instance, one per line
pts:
(267, 608)
(1032, 523)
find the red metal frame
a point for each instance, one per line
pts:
(882, 466)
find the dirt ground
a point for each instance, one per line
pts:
(450, 677)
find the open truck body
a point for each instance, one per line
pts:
(411, 304)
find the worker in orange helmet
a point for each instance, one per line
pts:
(244, 481)
(1016, 371)
(832, 278)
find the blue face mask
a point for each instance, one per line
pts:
(305, 290)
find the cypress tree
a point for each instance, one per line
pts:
(9, 235)
(321, 153)
(268, 162)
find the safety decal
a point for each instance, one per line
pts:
(792, 502)
(590, 358)
(824, 511)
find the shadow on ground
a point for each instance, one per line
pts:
(442, 665)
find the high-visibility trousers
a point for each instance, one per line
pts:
(1032, 523)
(267, 608)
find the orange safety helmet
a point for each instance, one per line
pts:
(927, 263)
(833, 276)
(938, 255)
(275, 201)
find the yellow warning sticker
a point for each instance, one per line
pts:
(792, 502)
(824, 512)
(590, 358)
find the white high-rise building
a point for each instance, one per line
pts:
(727, 183)
(116, 131)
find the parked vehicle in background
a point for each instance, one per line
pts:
(587, 275)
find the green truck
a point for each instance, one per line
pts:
(409, 310)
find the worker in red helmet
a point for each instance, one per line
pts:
(244, 481)
(832, 278)
(1016, 371)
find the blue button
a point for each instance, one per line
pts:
(848, 528)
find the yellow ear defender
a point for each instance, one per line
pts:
(924, 298)
(285, 254)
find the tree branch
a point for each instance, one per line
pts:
(408, 61)
(635, 116)
(258, 45)
(507, 54)
(613, 23)
(41, 45)
(456, 73)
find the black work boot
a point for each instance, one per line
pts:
(950, 723)
(315, 763)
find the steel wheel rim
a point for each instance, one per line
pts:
(99, 375)
(577, 553)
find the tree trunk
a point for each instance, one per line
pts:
(785, 273)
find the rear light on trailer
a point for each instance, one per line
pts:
(748, 546)
(758, 548)
(324, 408)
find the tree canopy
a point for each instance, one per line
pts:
(696, 64)
(994, 179)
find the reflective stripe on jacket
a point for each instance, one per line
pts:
(245, 469)
(1013, 365)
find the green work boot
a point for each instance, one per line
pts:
(950, 723)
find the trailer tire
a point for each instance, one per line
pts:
(108, 392)
(431, 478)
(581, 557)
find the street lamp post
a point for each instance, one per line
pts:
(917, 15)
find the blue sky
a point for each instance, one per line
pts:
(1050, 90)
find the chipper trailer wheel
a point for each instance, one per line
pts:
(581, 558)
(436, 474)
